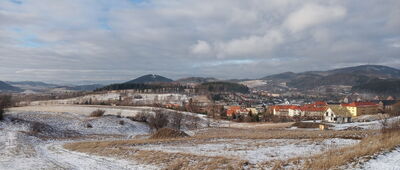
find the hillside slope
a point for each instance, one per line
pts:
(4, 87)
(150, 78)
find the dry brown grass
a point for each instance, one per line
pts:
(367, 147)
(335, 158)
(306, 125)
(168, 133)
(163, 159)
(281, 134)
(126, 149)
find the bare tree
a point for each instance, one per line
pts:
(177, 120)
(142, 116)
(158, 120)
(5, 102)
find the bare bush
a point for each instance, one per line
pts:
(158, 120)
(88, 125)
(97, 113)
(177, 120)
(141, 117)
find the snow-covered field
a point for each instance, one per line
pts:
(21, 149)
(253, 150)
(142, 98)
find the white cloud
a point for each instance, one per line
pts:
(250, 46)
(201, 47)
(311, 15)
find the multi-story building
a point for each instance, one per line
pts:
(361, 108)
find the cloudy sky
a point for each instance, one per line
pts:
(117, 40)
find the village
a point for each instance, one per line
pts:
(243, 107)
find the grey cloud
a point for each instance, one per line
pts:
(94, 40)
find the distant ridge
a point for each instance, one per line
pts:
(196, 80)
(4, 87)
(150, 78)
(31, 83)
(349, 76)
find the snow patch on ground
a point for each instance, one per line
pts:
(387, 161)
(253, 150)
(374, 125)
(20, 151)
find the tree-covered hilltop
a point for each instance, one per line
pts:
(155, 87)
(380, 86)
(222, 87)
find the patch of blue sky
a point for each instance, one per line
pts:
(139, 1)
(16, 1)
(104, 24)
(27, 39)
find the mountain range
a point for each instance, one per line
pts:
(349, 76)
(363, 78)
(4, 87)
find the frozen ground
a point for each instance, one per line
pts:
(253, 150)
(20, 149)
(376, 124)
(124, 111)
(387, 161)
(147, 98)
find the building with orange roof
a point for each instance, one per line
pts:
(232, 110)
(361, 108)
(281, 110)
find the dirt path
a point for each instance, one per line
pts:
(56, 154)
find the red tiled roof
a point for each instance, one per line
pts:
(282, 107)
(320, 103)
(232, 110)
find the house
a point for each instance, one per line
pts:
(387, 105)
(337, 114)
(281, 110)
(252, 110)
(361, 108)
(313, 112)
(232, 110)
(295, 111)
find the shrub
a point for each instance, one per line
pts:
(97, 113)
(158, 120)
(121, 122)
(141, 117)
(168, 133)
(88, 125)
(177, 120)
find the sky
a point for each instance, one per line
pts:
(117, 40)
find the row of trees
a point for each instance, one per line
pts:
(161, 118)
